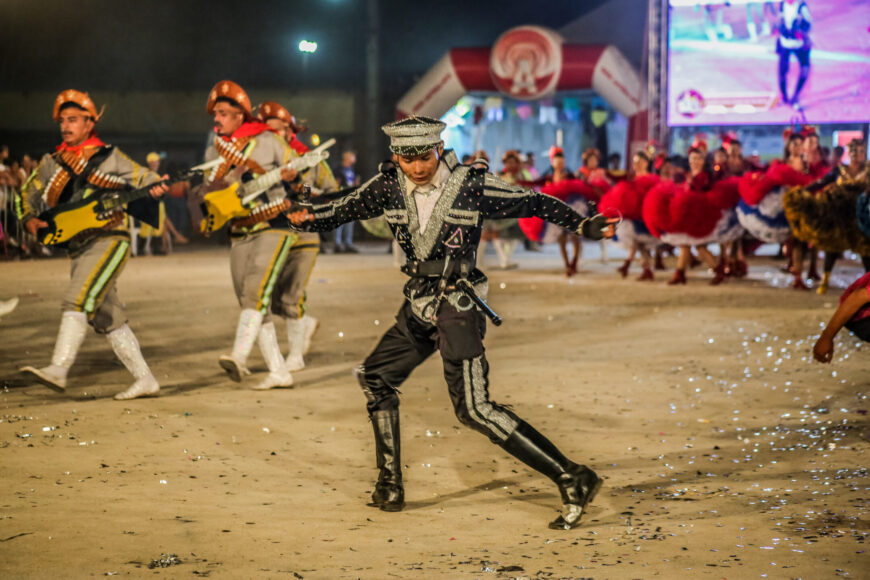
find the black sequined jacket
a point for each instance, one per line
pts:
(469, 196)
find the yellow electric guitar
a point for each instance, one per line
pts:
(100, 210)
(219, 207)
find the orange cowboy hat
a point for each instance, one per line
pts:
(272, 110)
(78, 98)
(232, 91)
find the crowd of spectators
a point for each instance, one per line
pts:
(14, 171)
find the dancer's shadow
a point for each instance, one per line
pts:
(308, 378)
(469, 491)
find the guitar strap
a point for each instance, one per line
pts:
(75, 174)
(95, 161)
(234, 154)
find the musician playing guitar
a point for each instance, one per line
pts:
(290, 296)
(81, 166)
(260, 241)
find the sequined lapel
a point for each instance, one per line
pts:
(423, 242)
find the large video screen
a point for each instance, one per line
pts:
(735, 62)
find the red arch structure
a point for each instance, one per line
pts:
(530, 63)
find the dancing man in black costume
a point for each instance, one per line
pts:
(435, 207)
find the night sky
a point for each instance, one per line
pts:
(190, 44)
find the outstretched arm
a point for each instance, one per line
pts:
(823, 351)
(365, 202)
(827, 179)
(502, 200)
(135, 175)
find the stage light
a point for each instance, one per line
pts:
(307, 46)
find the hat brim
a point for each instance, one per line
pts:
(413, 150)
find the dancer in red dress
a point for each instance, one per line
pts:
(625, 200)
(760, 209)
(576, 193)
(694, 214)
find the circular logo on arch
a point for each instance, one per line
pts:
(526, 62)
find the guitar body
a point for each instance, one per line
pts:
(234, 201)
(219, 207)
(101, 209)
(67, 221)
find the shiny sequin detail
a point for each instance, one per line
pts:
(470, 195)
(477, 402)
(424, 241)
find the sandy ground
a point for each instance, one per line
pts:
(726, 452)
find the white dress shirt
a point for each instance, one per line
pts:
(427, 194)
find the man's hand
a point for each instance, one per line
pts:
(299, 217)
(289, 174)
(159, 190)
(823, 351)
(598, 227)
(610, 231)
(33, 224)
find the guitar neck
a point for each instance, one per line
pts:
(119, 199)
(273, 177)
(265, 182)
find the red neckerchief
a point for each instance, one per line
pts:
(298, 146)
(92, 141)
(249, 129)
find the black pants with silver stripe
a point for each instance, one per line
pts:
(459, 337)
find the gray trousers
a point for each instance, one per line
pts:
(94, 269)
(256, 261)
(290, 296)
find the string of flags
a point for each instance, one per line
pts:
(548, 111)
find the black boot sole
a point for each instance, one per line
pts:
(561, 524)
(387, 507)
(388, 503)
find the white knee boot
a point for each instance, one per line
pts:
(278, 375)
(127, 350)
(504, 249)
(250, 321)
(73, 327)
(7, 306)
(299, 334)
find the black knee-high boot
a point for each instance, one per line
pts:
(578, 484)
(389, 495)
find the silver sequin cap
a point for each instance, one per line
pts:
(414, 135)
